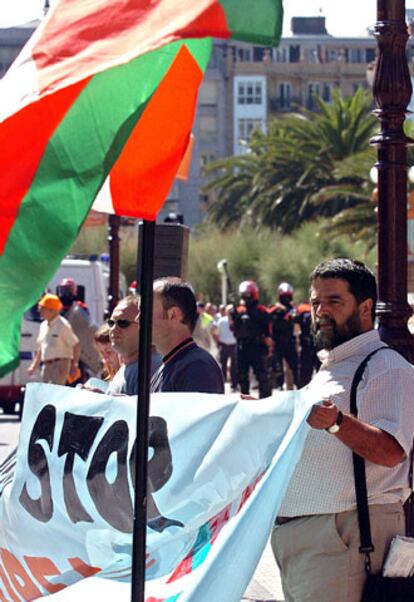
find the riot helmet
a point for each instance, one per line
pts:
(66, 291)
(249, 291)
(285, 293)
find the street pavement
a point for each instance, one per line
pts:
(9, 433)
(265, 585)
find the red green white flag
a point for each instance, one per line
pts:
(103, 86)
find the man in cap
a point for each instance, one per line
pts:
(58, 347)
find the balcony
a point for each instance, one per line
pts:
(277, 105)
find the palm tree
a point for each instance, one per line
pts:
(233, 183)
(279, 181)
(358, 219)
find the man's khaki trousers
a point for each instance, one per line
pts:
(318, 556)
(56, 372)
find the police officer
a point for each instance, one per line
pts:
(250, 324)
(308, 360)
(283, 316)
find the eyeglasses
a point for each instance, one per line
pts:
(121, 323)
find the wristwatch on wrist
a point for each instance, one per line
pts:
(337, 424)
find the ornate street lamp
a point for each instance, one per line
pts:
(392, 93)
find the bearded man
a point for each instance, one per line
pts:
(316, 536)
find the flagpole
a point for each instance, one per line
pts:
(145, 277)
(114, 222)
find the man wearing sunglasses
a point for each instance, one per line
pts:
(123, 334)
(186, 367)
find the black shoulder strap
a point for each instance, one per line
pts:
(366, 545)
(358, 376)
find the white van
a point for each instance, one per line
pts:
(92, 279)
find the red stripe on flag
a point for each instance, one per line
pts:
(23, 139)
(139, 182)
(213, 21)
(77, 41)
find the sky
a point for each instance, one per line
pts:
(343, 17)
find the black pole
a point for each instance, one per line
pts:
(114, 222)
(144, 285)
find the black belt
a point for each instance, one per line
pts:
(57, 359)
(282, 520)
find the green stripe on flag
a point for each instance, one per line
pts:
(262, 25)
(76, 161)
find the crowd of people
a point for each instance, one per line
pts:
(71, 349)
(266, 347)
(67, 352)
(315, 540)
(269, 347)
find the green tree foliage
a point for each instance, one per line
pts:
(95, 241)
(359, 221)
(268, 257)
(294, 172)
(358, 218)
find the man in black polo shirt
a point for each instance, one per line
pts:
(186, 367)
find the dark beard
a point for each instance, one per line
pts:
(336, 336)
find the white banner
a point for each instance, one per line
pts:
(218, 469)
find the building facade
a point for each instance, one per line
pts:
(308, 63)
(12, 40)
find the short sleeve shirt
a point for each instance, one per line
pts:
(225, 334)
(323, 480)
(56, 339)
(125, 380)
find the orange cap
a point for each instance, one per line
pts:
(51, 302)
